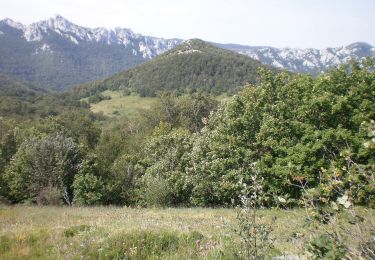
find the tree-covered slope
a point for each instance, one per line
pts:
(10, 86)
(193, 65)
(20, 99)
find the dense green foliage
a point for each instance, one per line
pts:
(192, 66)
(87, 185)
(293, 128)
(42, 162)
(21, 100)
(296, 131)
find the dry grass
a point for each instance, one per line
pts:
(120, 105)
(72, 232)
(124, 105)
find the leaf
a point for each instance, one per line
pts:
(334, 206)
(281, 199)
(344, 200)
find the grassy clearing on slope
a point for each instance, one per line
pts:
(115, 233)
(122, 105)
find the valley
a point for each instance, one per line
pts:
(120, 145)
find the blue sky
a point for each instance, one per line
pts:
(279, 23)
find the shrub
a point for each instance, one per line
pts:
(72, 231)
(254, 232)
(49, 196)
(167, 156)
(40, 162)
(323, 246)
(121, 180)
(155, 191)
(145, 245)
(88, 187)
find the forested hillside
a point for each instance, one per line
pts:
(192, 66)
(22, 100)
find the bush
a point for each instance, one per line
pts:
(255, 233)
(41, 162)
(155, 191)
(97, 98)
(167, 156)
(49, 196)
(88, 187)
(72, 231)
(145, 245)
(121, 180)
(325, 247)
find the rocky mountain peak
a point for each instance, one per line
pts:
(12, 23)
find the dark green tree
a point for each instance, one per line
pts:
(40, 162)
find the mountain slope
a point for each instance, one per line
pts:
(12, 87)
(56, 53)
(193, 65)
(19, 99)
(313, 61)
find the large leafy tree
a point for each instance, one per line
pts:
(87, 185)
(194, 108)
(167, 156)
(290, 126)
(40, 162)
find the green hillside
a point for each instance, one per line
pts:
(192, 66)
(12, 87)
(20, 99)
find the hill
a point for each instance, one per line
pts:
(192, 66)
(20, 99)
(10, 86)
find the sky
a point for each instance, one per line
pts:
(278, 23)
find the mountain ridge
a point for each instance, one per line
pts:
(151, 46)
(305, 60)
(58, 54)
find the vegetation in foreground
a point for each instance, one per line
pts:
(119, 233)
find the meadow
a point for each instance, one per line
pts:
(32, 232)
(130, 105)
(122, 105)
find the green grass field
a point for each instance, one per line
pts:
(31, 232)
(120, 105)
(124, 105)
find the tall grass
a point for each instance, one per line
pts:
(28, 232)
